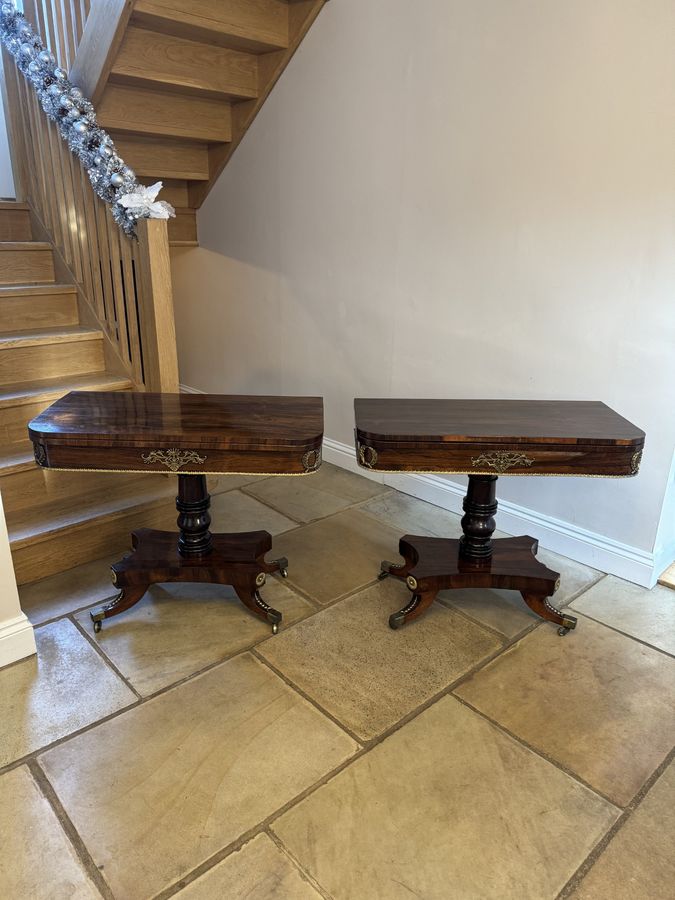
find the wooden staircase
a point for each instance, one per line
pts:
(55, 519)
(181, 82)
(176, 83)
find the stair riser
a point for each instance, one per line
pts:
(50, 361)
(14, 419)
(78, 544)
(27, 313)
(36, 486)
(26, 266)
(15, 225)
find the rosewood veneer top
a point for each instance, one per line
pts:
(203, 421)
(494, 421)
(183, 433)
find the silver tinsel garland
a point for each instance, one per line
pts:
(75, 118)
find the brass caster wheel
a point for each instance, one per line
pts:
(283, 573)
(382, 575)
(275, 628)
(569, 622)
(97, 626)
(396, 620)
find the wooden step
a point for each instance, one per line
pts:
(59, 535)
(15, 222)
(21, 402)
(50, 353)
(151, 59)
(183, 229)
(26, 262)
(35, 306)
(14, 459)
(126, 109)
(239, 24)
(164, 158)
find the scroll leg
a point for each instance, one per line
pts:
(126, 598)
(276, 565)
(541, 606)
(399, 570)
(250, 597)
(414, 608)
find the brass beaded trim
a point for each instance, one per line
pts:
(166, 474)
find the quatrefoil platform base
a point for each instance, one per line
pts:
(433, 564)
(193, 554)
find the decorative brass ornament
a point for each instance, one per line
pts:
(635, 461)
(260, 579)
(40, 454)
(311, 460)
(411, 582)
(501, 460)
(367, 456)
(174, 458)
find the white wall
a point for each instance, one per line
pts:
(452, 198)
(16, 633)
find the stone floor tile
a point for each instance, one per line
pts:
(641, 613)
(259, 871)
(368, 676)
(236, 511)
(408, 515)
(62, 689)
(178, 629)
(505, 611)
(218, 484)
(60, 594)
(156, 791)
(446, 807)
(639, 862)
(598, 702)
(37, 861)
(330, 558)
(327, 491)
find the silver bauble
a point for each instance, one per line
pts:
(60, 74)
(27, 50)
(46, 58)
(73, 113)
(55, 90)
(80, 127)
(116, 180)
(105, 151)
(76, 93)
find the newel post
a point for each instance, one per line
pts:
(158, 328)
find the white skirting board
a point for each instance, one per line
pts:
(586, 547)
(17, 640)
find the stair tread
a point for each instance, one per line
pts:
(46, 388)
(16, 458)
(13, 204)
(29, 290)
(55, 335)
(25, 245)
(28, 526)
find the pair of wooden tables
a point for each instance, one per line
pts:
(193, 436)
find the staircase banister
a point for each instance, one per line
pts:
(101, 39)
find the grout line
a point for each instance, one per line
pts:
(295, 862)
(604, 842)
(632, 637)
(104, 657)
(90, 867)
(298, 690)
(72, 612)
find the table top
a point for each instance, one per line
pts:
(587, 422)
(200, 421)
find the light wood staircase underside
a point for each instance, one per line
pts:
(184, 81)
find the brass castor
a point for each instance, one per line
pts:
(97, 626)
(396, 620)
(569, 622)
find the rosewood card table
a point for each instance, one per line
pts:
(485, 439)
(191, 436)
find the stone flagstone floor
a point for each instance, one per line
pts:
(473, 754)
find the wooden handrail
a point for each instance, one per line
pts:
(124, 285)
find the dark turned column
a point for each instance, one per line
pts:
(478, 522)
(193, 503)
